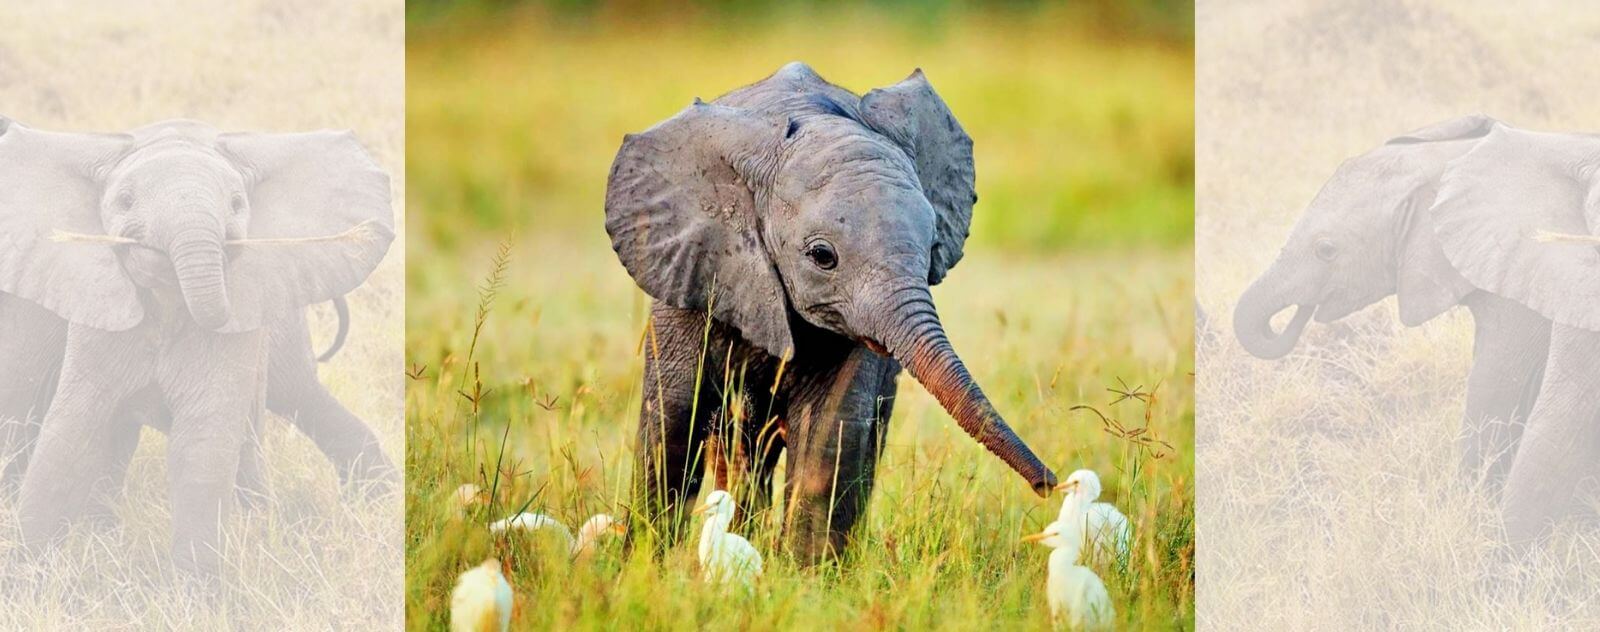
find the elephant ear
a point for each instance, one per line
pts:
(1494, 201)
(54, 181)
(1426, 284)
(912, 115)
(681, 212)
(320, 218)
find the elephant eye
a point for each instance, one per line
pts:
(1325, 250)
(821, 254)
(238, 204)
(125, 201)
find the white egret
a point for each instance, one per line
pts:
(596, 526)
(1087, 521)
(725, 557)
(1077, 597)
(481, 600)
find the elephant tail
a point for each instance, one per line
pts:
(344, 329)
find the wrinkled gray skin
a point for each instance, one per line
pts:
(809, 224)
(1446, 216)
(175, 326)
(36, 339)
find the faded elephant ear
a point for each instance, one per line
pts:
(1426, 283)
(1494, 200)
(320, 221)
(54, 181)
(912, 115)
(681, 212)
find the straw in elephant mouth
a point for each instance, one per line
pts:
(360, 232)
(1545, 236)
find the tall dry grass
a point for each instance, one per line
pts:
(1328, 489)
(311, 559)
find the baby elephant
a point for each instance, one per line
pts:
(788, 233)
(169, 252)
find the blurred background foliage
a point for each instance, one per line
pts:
(1082, 112)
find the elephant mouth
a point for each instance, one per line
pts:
(875, 346)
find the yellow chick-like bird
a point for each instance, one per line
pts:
(481, 601)
(725, 557)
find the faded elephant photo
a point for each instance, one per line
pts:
(161, 277)
(1473, 213)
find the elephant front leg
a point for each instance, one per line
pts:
(78, 441)
(673, 422)
(837, 425)
(1562, 443)
(1510, 346)
(31, 343)
(212, 385)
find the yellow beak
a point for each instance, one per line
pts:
(619, 529)
(1036, 537)
(701, 509)
(1067, 486)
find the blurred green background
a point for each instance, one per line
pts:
(1078, 277)
(1082, 113)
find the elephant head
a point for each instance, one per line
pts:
(1367, 234)
(793, 199)
(238, 226)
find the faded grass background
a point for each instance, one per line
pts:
(310, 560)
(1078, 273)
(1327, 479)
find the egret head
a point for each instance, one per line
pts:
(720, 504)
(1082, 485)
(1050, 536)
(595, 527)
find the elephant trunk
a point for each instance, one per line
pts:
(198, 260)
(916, 338)
(1252, 318)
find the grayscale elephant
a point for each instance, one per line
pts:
(33, 340)
(789, 233)
(1450, 215)
(170, 251)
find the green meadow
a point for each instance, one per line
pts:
(523, 330)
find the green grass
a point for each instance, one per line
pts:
(1078, 274)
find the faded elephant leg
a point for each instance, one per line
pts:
(143, 408)
(294, 392)
(100, 370)
(837, 424)
(673, 421)
(1561, 446)
(31, 341)
(211, 384)
(1510, 346)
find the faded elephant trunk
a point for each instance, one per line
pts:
(1252, 318)
(198, 259)
(917, 339)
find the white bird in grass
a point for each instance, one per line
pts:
(1085, 521)
(596, 526)
(481, 600)
(1077, 597)
(725, 557)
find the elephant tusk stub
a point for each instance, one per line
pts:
(1564, 238)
